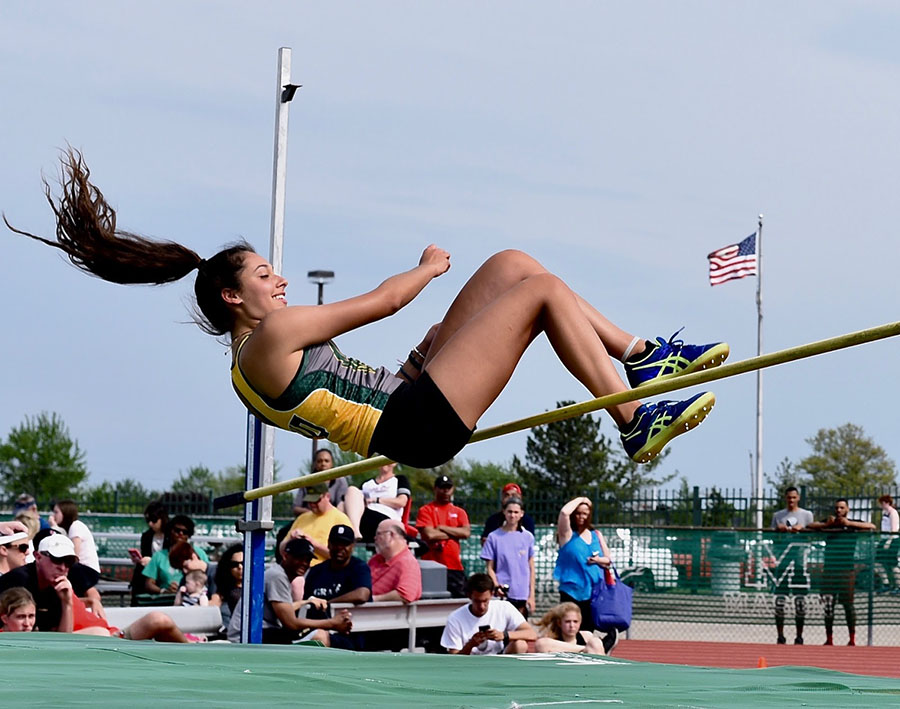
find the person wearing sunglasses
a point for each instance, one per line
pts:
(229, 579)
(13, 550)
(47, 579)
(160, 575)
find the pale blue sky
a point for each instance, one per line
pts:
(618, 143)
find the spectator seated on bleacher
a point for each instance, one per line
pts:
(54, 573)
(166, 567)
(65, 516)
(281, 626)
(396, 576)
(315, 525)
(59, 607)
(193, 590)
(26, 505)
(13, 550)
(229, 580)
(152, 540)
(385, 496)
(395, 570)
(344, 578)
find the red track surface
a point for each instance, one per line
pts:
(877, 661)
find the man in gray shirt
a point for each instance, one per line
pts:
(792, 518)
(280, 622)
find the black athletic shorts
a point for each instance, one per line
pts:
(418, 427)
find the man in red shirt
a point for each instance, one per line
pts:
(396, 575)
(442, 524)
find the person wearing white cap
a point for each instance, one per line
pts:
(13, 550)
(47, 580)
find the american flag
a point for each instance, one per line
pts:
(734, 261)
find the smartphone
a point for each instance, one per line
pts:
(484, 628)
(135, 555)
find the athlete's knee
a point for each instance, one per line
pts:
(546, 285)
(515, 263)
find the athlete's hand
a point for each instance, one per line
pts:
(437, 258)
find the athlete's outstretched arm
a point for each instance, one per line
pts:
(288, 330)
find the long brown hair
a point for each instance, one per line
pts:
(86, 232)
(551, 623)
(69, 511)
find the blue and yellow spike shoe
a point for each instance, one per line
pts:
(663, 360)
(654, 425)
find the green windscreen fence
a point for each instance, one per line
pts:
(741, 578)
(696, 583)
(68, 671)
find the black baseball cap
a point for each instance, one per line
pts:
(443, 481)
(342, 534)
(299, 549)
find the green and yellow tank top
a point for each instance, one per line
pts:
(332, 396)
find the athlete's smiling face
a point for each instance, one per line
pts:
(262, 290)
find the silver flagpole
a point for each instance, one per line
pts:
(759, 374)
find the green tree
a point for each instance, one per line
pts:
(474, 479)
(40, 457)
(786, 475)
(574, 457)
(719, 512)
(844, 461)
(123, 496)
(197, 478)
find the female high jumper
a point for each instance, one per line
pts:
(287, 370)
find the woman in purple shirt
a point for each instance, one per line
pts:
(509, 554)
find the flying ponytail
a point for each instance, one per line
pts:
(86, 232)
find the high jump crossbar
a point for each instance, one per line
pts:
(647, 390)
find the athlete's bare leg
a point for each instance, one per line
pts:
(497, 275)
(473, 360)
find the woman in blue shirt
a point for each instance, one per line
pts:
(582, 555)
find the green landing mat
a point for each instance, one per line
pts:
(70, 671)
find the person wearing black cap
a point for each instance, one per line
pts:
(281, 626)
(344, 578)
(442, 524)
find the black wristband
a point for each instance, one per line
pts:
(506, 637)
(412, 360)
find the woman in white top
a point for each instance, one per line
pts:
(65, 516)
(890, 545)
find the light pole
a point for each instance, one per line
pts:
(320, 278)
